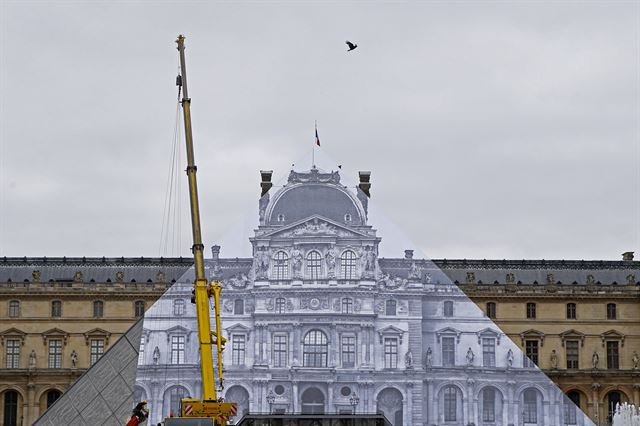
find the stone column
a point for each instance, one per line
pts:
(266, 336)
(408, 418)
(256, 344)
(636, 394)
(510, 405)
(468, 401)
(595, 391)
(330, 407)
(334, 346)
(295, 398)
(430, 407)
(372, 356)
(29, 406)
(297, 343)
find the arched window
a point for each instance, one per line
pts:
(10, 408)
(178, 307)
(56, 309)
(238, 307)
(280, 266)
(489, 405)
(138, 308)
(98, 309)
(348, 265)
(280, 217)
(491, 309)
(14, 308)
(281, 304)
(52, 396)
(571, 311)
(448, 308)
(390, 307)
(347, 305)
(347, 217)
(450, 403)
(571, 403)
(530, 412)
(315, 349)
(314, 265)
(172, 397)
(531, 310)
(611, 311)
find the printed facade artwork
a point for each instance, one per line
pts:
(320, 324)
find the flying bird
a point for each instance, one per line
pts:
(351, 45)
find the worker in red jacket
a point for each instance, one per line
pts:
(140, 414)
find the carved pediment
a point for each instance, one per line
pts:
(449, 332)
(97, 333)
(238, 329)
(390, 331)
(489, 332)
(612, 335)
(572, 335)
(12, 333)
(55, 333)
(315, 226)
(178, 330)
(532, 334)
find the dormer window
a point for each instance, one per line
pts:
(347, 217)
(280, 217)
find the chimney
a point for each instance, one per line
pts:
(365, 182)
(627, 256)
(266, 184)
(408, 254)
(215, 252)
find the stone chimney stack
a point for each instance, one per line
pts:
(215, 252)
(266, 184)
(627, 256)
(408, 254)
(365, 182)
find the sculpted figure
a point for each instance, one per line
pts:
(296, 257)
(74, 358)
(554, 359)
(32, 359)
(370, 259)
(510, 358)
(415, 271)
(330, 258)
(262, 206)
(261, 262)
(156, 355)
(470, 357)
(428, 359)
(408, 359)
(635, 360)
(595, 359)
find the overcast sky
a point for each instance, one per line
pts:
(492, 129)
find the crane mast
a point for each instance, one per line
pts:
(209, 406)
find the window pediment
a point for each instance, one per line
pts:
(449, 332)
(572, 335)
(238, 329)
(612, 335)
(178, 330)
(391, 331)
(55, 333)
(489, 332)
(12, 333)
(97, 333)
(532, 334)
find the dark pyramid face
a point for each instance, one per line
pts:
(321, 317)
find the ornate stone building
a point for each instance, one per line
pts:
(317, 322)
(59, 315)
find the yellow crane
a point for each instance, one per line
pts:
(210, 409)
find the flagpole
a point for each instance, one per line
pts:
(313, 149)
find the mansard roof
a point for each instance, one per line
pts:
(314, 193)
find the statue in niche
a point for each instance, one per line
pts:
(554, 359)
(510, 358)
(470, 357)
(635, 360)
(408, 359)
(262, 206)
(32, 360)
(595, 360)
(330, 258)
(591, 280)
(156, 355)
(74, 358)
(296, 258)
(261, 262)
(427, 278)
(428, 359)
(369, 259)
(415, 271)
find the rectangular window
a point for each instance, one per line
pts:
(97, 349)
(141, 352)
(56, 309)
(572, 353)
(448, 351)
(348, 351)
(450, 404)
(491, 310)
(280, 350)
(571, 311)
(611, 311)
(14, 309)
(570, 417)
(55, 353)
(489, 405)
(613, 358)
(531, 310)
(489, 352)
(390, 352)
(177, 349)
(13, 353)
(531, 354)
(238, 349)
